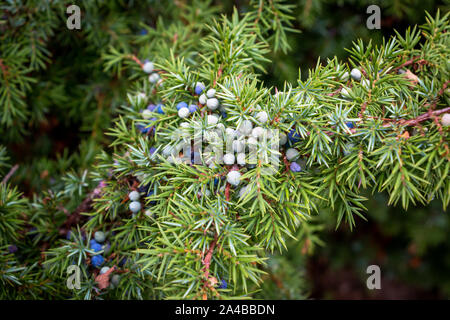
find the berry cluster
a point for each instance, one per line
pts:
(134, 196)
(135, 205)
(356, 75)
(97, 245)
(209, 114)
(148, 68)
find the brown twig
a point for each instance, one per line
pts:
(207, 262)
(135, 59)
(429, 114)
(258, 16)
(75, 217)
(422, 117)
(227, 192)
(411, 61)
(10, 173)
(4, 71)
(334, 92)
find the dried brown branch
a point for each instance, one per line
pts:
(10, 173)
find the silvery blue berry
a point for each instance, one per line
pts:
(199, 87)
(99, 236)
(211, 93)
(240, 159)
(246, 127)
(345, 76)
(283, 139)
(104, 270)
(262, 116)
(356, 74)
(251, 142)
(153, 78)
(212, 119)
(257, 132)
(230, 133)
(134, 196)
(229, 159)
(148, 213)
(184, 125)
(148, 67)
(202, 99)
(291, 153)
(97, 260)
(212, 103)
(135, 206)
(183, 112)
(12, 248)
(115, 280)
(234, 178)
(345, 93)
(446, 120)
(220, 127)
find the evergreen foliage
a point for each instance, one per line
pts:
(369, 124)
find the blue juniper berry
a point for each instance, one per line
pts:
(159, 109)
(193, 108)
(223, 284)
(199, 87)
(97, 260)
(182, 104)
(295, 167)
(293, 136)
(96, 247)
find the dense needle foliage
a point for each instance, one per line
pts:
(344, 128)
